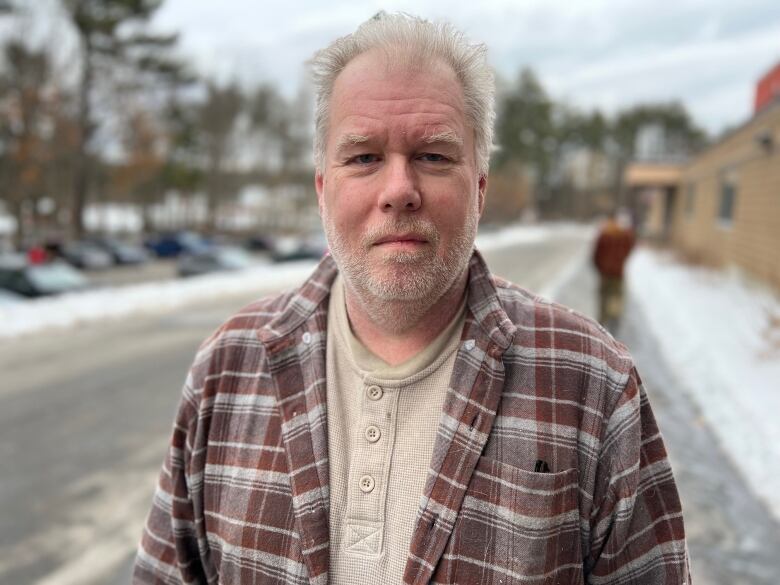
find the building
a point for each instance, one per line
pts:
(728, 212)
(767, 89)
(722, 207)
(652, 193)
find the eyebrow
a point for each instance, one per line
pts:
(448, 136)
(350, 140)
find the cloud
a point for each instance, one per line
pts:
(700, 74)
(594, 53)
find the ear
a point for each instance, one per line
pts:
(481, 191)
(319, 183)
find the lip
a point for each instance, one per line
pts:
(401, 239)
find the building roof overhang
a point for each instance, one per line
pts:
(652, 174)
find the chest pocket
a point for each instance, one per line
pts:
(517, 527)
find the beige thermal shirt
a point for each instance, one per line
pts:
(382, 423)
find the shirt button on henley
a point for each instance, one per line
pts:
(374, 392)
(372, 434)
(367, 484)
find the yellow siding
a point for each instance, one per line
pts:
(752, 239)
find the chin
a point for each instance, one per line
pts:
(407, 281)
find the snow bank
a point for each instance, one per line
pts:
(114, 302)
(721, 335)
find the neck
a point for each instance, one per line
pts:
(395, 331)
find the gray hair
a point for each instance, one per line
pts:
(418, 41)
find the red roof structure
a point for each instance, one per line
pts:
(767, 89)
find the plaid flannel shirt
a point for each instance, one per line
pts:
(548, 466)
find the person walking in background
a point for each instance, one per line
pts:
(613, 246)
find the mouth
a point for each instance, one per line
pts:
(409, 239)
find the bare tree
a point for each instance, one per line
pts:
(111, 34)
(31, 118)
(219, 115)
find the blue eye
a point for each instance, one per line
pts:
(365, 159)
(433, 157)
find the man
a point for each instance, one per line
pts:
(612, 249)
(405, 416)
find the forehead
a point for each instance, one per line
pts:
(372, 95)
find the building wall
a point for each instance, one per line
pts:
(653, 201)
(751, 239)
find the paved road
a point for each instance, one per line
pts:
(86, 414)
(85, 418)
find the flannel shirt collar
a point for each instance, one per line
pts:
(482, 301)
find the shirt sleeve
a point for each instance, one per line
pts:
(171, 551)
(637, 532)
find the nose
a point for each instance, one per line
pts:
(399, 189)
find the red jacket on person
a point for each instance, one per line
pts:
(613, 246)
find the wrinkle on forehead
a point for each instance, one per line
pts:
(424, 104)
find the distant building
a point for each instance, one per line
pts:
(651, 182)
(729, 211)
(652, 192)
(722, 207)
(767, 89)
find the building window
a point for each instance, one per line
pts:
(728, 198)
(690, 200)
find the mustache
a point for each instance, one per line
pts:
(419, 227)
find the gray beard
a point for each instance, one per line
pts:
(400, 298)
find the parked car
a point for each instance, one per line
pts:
(260, 243)
(35, 280)
(291, 248)
(173, 244)
(215, 259)
(83, 254)
(121, 252)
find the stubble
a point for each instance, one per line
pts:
(397, 288)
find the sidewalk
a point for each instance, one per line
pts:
(732, 537)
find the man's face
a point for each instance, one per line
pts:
(399, 191)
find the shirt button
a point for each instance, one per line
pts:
(374, 392)
(372, 434)
(470, 344)
(366, 484)
(307, 338)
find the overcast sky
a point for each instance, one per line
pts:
(590, 53)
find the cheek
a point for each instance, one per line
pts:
(458, 205)
(352, 207)
(341, 215)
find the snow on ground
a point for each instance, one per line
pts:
(29, 316)
(528, 234)
(721, 335)
(70, 309)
